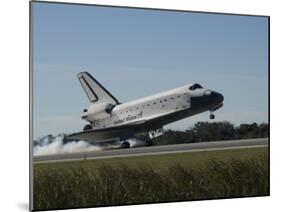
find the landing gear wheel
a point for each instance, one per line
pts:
(87, 127)
(125, 144)
(212, 116)
(148, 143)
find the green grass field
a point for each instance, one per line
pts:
(155, 178)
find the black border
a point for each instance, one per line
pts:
(145, 8)
(128, 7)
(178, 201)
(30, 165)
(268, 80)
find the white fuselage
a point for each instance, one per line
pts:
(146, 108)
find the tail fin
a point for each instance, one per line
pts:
(94, 90)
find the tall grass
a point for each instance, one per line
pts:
(107, 185)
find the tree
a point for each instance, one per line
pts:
(215, 131)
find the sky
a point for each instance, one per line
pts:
(138, 52)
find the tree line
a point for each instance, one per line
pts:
(215, 131)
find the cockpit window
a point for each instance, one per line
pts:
(195, 86)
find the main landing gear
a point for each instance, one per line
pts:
(125, 144)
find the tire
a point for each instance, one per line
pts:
(212, 116)
(87, 127)
(125, 144)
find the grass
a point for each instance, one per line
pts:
(147, 179)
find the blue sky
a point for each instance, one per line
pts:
(136, 52)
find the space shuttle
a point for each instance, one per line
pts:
(110, 120)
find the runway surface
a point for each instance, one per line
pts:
(154, 150)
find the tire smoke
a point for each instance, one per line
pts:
(58, 144)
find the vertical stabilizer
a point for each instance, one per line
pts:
(94, 90)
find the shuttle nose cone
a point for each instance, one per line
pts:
(209, 99)
(217, 97)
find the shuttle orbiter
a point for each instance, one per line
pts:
(110, 120)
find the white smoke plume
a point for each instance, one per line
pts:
(134, 142)
(56, 145)
(59, 144)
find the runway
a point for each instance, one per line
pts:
(154, 150)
